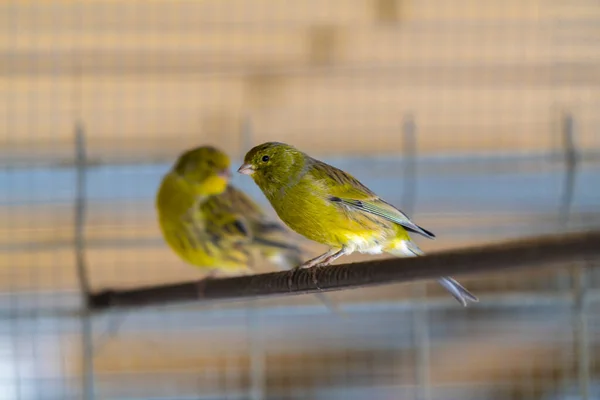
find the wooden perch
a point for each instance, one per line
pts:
(522, 253)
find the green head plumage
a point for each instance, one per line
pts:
(273, 164)
(206, 168)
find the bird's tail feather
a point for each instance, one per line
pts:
(458, 291)
(274, 246)
(286, 260)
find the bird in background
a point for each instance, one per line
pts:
(214, 226)
(331, 207)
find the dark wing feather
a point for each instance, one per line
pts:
(385, 210)
(346, 190)
(266, 234)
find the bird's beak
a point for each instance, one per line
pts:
(246, 169)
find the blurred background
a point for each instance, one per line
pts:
(480, 119)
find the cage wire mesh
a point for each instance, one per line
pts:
(477, 118)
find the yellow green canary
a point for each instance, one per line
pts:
(214, 226)
(329, 206)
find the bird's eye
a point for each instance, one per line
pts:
(265, 158)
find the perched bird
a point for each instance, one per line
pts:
(329, 206)
(214, 226)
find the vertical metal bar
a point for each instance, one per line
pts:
(255, 342)
(571, 159)
(82, 272)
(257, 353)
(581, 334)
(87, 351)
(80, 208)
(580, 329)
(566, 280)
(87, 376)
(420, 312)
(422, 344)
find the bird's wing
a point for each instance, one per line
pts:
(247, 218)
(240, 203)
(343, 189)
(223, 223)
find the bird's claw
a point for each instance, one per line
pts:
(308, 264)
(313, 273)
(314, 277)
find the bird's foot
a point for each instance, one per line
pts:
(308, 264)
(327, 261)
(311, 263)
(322, 261)
(318, 261)
(330, 258)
